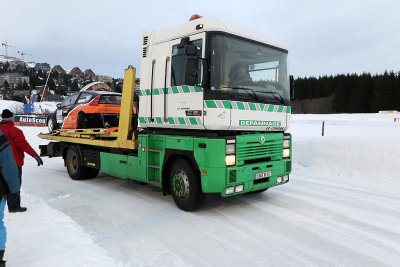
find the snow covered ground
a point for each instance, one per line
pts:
(340, 208)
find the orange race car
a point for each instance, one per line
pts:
(87, 109)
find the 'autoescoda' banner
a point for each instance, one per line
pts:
(30, 120)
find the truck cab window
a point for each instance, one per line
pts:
(178, 62)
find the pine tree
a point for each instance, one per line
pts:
(397, 92)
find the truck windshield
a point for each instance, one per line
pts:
(243, 68)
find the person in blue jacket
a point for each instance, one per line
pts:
(9, 184)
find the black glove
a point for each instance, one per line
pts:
(39, 160)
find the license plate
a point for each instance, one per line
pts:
(261, 175)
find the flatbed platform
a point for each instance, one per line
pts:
(94, 137)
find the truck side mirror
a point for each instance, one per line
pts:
(291, 79)
(59, 105)
(190, 50)
(191, 71)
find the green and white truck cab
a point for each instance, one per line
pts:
(227, 90)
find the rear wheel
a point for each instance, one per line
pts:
(76, 169)
(185, 186)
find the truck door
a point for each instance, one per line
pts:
(166, 101)
(184, 105)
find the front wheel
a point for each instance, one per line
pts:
(185, 186)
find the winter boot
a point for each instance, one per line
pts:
(20, 209)
(2, 263)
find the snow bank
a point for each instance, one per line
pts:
(14, 106)
(45, 107)
(361, 147)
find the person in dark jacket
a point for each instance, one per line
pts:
(9, 184)
(19, 146)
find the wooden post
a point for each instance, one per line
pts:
(323, 128)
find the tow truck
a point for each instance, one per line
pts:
(214, 108)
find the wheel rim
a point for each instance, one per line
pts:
(180, 183)
(73, 163)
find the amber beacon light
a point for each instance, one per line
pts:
(195, 16)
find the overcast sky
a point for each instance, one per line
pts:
(323, 37)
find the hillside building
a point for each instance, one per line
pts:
(90, 74)
(76, 72)
(58, 69)
(103, 78)
(13, 79)
(42, 66)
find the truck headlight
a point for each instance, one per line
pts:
(230, 190)
(238, 188)
(230, 160)
(286, 152)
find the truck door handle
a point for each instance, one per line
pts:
(122, 161)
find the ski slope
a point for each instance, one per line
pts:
(340, 208)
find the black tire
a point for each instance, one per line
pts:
(51, 124)
(81, 121)
(185, 186)
(76, 169)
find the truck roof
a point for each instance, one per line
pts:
(210, 24)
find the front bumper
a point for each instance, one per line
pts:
(216, 180)
(245, 175)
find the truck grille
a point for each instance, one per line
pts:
(252, 151)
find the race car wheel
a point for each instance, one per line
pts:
(51, 124)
